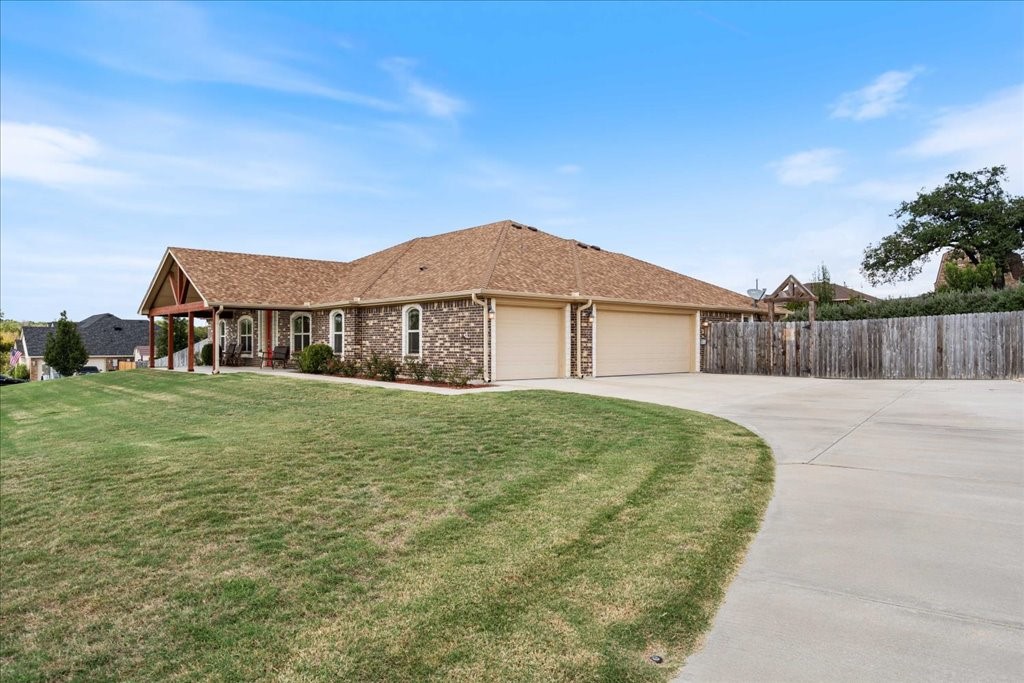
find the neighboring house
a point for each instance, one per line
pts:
(503, 300)
(107, 338)
(1012, 278)
(142, 354)
(843, 294)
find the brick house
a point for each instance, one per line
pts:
(503, 300)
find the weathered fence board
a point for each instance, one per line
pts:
(181, 357)
(968, 346)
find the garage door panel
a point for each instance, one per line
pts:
(635, 343)
(530, 342)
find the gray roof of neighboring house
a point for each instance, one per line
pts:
(103, 334)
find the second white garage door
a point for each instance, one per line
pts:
(530, 342)
(642, 343)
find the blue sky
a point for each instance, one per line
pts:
(725, 141)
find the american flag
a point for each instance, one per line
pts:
(15, 357)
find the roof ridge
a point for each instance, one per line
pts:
(576, 264)
(273, 256)
(386, 268)
(499, 245)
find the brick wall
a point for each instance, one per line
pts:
(587, 341)
(378, 330)
(453, 335)
(451, 332)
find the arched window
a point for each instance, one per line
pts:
(302, 331)
(412, 330)
(222, 333)
(245, 335)
(337, 322)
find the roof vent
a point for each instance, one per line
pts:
(531, 228)
(595, 247)
(582, 246)
(118, 328)
(422, 268)
(517, 226)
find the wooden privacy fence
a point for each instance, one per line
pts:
(969, 346)
(125, 365)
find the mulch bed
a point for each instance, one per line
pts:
(440, 385)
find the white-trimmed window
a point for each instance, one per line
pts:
(337, 323)
(222, 333)
(302, 331)
(245, 335)
(412, 330)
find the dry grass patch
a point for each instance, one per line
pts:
(161, 526)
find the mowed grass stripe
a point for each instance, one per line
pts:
(162, 526)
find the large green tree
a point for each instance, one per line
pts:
(970, 213)
(64, 350)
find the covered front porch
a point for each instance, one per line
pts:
(241, 335)
(241, 338)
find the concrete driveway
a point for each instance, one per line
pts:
(894, 545)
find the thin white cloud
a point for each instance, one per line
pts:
(569, 169)
(179, 42)
(427, 98)
(52, 156)
(806, 168)
(877, 99)
(990, 132)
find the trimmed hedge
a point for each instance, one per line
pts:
(935, 303)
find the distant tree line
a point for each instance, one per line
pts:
(934, 303)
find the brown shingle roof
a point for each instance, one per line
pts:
(843, 293)
(497, 257)
(231, 278)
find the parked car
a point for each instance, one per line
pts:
(7, 379)
(88, 370)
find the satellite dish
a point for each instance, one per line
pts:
(756, 293)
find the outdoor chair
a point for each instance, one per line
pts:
(229, 356)
(278, 355)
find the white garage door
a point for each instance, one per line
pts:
(642, 343)
(530, 342)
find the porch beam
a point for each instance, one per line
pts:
(191, 342)
(181, 286)
(179, 309)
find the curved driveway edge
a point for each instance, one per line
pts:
(894, 545)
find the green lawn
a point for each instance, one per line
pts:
(157, 525)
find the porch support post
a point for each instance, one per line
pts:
(216, 342)
(170, 342)
(152, 341)
(191, 342)
(268, 317)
